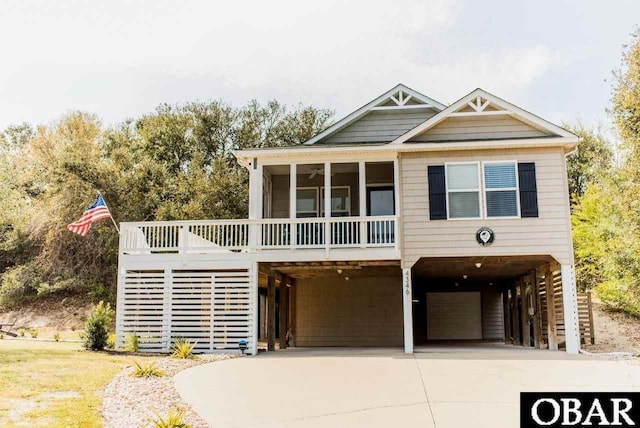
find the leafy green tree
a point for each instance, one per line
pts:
(625, 107)
(591, 161)
(606, 217)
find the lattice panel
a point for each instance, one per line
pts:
(584, 311)
(211, 307)
(142, 308)
(191, 307)
(233, 306)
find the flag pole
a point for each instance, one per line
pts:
(110, 215)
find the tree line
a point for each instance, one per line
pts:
(172, 164)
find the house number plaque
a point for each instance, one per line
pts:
(485, 236)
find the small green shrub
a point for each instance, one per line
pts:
(21, 332)
(1, 336)
(146, 370)
(183, 348)
(174, 419)
(56, 337)
(96, 329)
(132, 342)
(33, 332)
(111, 341)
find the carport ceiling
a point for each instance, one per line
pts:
(491, 268)
(352, 269)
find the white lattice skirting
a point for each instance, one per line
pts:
(215, 308)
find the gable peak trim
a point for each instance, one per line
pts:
(400, 96)
(482, 103)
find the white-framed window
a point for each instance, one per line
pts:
(501, 189)
(463, 190)
(487, 189)
(307, 202)
(340, 201)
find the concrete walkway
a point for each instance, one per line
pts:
(439, 387)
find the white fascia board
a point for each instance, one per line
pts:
(388, 151)
(516, 111)
(346, 121)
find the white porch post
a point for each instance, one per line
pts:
(570, 309)
(327, 205)
(293, 186)
(293, 203)
(362, 204)
(260, 191)
(255, 203)
(407, 308)
(396, 204)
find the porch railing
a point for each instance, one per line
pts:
(211, 236)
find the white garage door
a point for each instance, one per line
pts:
(454, 316)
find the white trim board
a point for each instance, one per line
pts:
(387, 152)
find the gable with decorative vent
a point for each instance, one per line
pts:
(382, 120)
(480, 119)
(478, 116)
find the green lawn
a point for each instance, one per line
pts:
(54, 384)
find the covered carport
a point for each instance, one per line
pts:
(512, 299)
(330, 304)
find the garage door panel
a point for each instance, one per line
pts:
(454, 316)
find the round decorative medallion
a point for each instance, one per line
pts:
(485, 236)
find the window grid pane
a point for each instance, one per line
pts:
(502, 203)
(464, 204)
(462, 177)
(500, 175)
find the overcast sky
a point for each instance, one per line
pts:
(119, 59)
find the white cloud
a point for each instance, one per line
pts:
(120, 58)
(506, 72)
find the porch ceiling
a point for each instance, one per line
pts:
(492, 268)
(326, 269)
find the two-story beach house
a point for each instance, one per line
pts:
(406, 223)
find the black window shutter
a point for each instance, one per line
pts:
(528, 189)
(437, 193)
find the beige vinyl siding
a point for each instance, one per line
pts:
(280, 196)
(358, 312)
(492, 315)
(479, 128)
(379, 127)
(549, 234)
(454, 316)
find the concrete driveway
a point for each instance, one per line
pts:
(439, 387)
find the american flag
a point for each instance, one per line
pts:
(96, 211)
